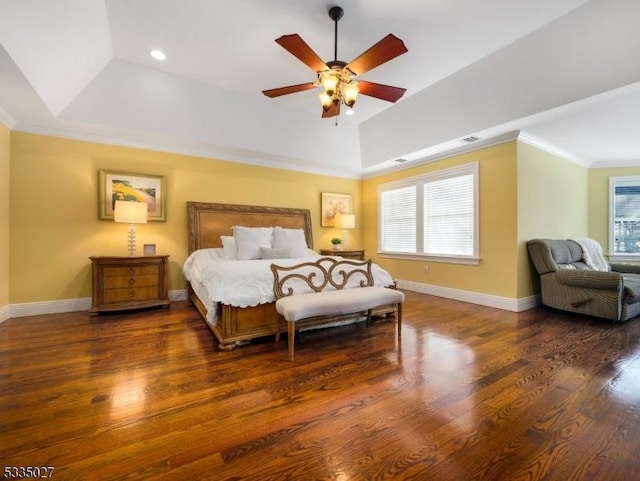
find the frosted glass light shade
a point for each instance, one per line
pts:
(325, 100)
(329, 81)
(131, 212)
(350, 93)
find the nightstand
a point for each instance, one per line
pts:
(347, 254)
(122, 283)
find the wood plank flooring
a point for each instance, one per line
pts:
(470, 393)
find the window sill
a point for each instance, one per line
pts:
(469, 261)
(624, 258)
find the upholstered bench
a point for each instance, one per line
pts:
(314, 293)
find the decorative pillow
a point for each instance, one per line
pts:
(275, 252)
(249, 241)
(229, 246)
(293, 238)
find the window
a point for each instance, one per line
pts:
(624, 217)
(434, 215)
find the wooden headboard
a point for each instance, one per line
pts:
(207, 222)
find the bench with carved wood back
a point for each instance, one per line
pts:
(313, 293)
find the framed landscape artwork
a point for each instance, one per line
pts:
(333, 204)
(132, 187)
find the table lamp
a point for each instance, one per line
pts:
(345, 222)
(133, 213)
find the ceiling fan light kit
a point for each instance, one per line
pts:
(338, 86)
(337, 78)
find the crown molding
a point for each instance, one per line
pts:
(203, 150)
(444, 151)
(532, 140)
(621, 163)
(7, 119)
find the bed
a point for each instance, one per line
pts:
(234, 292)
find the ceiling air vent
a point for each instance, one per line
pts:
(470, 139)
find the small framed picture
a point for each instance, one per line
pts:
(333, 204)
(132, 187)
(149, 249)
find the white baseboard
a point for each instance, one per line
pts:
(64, 305)
(84, 304)
(178, 295)
(505, 303)
(49, 307)
(4, 313)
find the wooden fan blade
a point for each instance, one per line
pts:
(291, 89)
(383, 51)
(333, 110)
(380, 91)
(299, 49)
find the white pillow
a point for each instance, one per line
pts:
(293, 238)
(275, 252)
(229, 246)
(249, 241)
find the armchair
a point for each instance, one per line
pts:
(569, 284)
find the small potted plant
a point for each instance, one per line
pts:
(337, 243)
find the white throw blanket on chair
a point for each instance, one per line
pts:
(592, 254)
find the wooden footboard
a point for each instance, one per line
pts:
(238, 324)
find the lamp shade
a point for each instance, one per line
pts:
(325, 100)
(131, 212)
(329, 81)
(345, 221)
(350, 93)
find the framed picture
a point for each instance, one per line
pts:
(333, 204)
(149, 249)
(132, 187)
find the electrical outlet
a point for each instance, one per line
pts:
(426, 269)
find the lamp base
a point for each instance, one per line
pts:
(345, 238)
(131, 239)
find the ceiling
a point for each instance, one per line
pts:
(562, 74)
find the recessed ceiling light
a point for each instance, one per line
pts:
(158, 54)
(350, 112)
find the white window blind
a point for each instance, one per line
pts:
(435, 214)
(448, 216)
(398, 212)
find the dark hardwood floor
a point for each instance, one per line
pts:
(472, 393)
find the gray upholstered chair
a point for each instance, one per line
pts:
(568, 284)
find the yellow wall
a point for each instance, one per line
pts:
(54, 208)
(552, 203)
(4, 216)
(496, 274)
(49, 222)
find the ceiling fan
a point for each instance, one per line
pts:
(338, 78)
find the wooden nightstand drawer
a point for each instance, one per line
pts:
(130, 281)
(122, 283)
(133, 294)
(128, 271)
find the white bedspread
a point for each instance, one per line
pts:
(243, 283)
